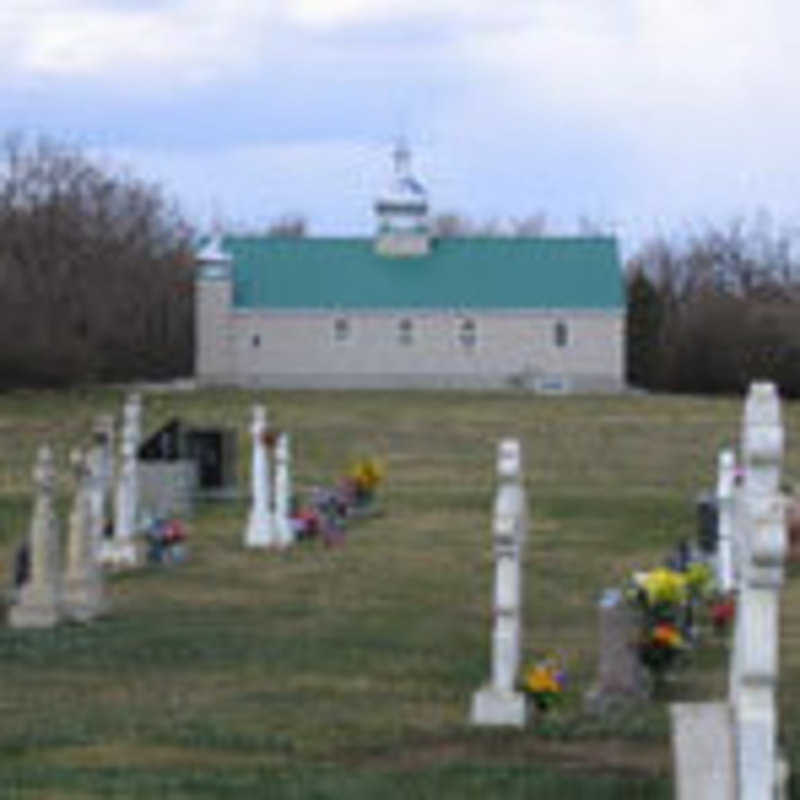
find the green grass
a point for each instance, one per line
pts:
(348, 672)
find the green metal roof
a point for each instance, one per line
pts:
(481, 272)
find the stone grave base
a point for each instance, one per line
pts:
(260, 532)
(702, 741)
(492, 706)
(119, 555)
(84, 602)
(33, 615)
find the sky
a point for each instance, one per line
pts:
(646, 117)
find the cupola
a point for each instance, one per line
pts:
(402, 210)
(213, 263)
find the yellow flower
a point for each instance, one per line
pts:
(367, 473)
(541, 679)
(663, 586)
(698, 578)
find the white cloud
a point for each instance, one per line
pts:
(177, 42)
(620, 107)
(190, 42)
(325, 14)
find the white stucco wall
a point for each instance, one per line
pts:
(280, 348)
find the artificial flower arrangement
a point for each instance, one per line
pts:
(366, 475)
(662, 595)
(166, 538)
(544, 683)
(329, 508)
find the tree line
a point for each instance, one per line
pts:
(711, 313)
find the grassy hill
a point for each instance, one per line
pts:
(332, 673)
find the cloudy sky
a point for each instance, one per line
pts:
(644, 115)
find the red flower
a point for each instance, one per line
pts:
(722, 612)
(270, 437)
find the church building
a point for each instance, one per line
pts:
(405, 309)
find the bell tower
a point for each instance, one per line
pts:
(402, 210)
(213, 297)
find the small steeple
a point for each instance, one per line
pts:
(402, 158)
(402, 210)
(213, 261)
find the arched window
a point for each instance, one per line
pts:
(467, 333)
(405, 331)
(560, 334)
(341, 329)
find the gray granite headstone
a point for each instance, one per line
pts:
(39, 603)
(84, 595)
(620, 675)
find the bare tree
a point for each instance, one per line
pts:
(532, 225)
(290, 225)
(715, 310)
(450, 224)
(96, 270)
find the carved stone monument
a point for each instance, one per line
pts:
(754, 670)
(120, 551)
(726, 470)
(728, 751)
(498, 703)
(259, 531)
(101, 461)
(39, 601)
(282, 526)
(84, 596)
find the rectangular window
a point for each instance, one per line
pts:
(405, 332)
(467, 333)
(341, 329)
(560, 334)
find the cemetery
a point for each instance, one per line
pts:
(361, 594)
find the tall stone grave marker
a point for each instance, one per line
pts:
(754, 668)
(726, 469)
(40, 598)
(121, 550)
(83, 582)
(282, 525)
(728, 751)
(259, 531)
(498, 703)
(102, 473)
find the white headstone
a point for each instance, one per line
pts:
(284, 535)
(83, 581)
(754, 666)
(39, 603)
(726, 471)
(498, 703)
(120, 551)
(101, 469)
(103, 438)
(259, 531)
